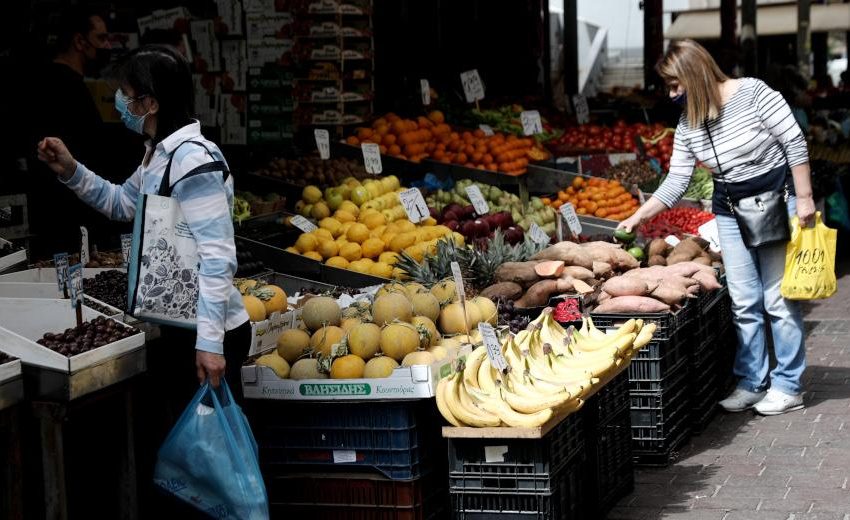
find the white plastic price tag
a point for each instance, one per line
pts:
(126, 244)
(458, 277)
(538, 235)
(581, 108)
(531, 122)
(303, 224)
(473, 88)
(494, 347)
(60, 260)
(487, 129)
(425, 87)
(75, 283)
(477, 199)
(344, 456)
(673, 240)
(710, 232)
(323, 143)
(414, 205)
(571, 218)
(372, 158)
(84, 245)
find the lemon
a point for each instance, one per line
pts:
(328, 248)
(323, 234)
(388, 257)
(405, 225)
(357, 233)
(350, 251)
(402, 241)
(374, 220)
(343, 216)
(381, 269)
(306, 242)
(359, 266)
(291, 249)
(311, 194)
(349, 207)
(337, 261)
(313, 255)
(372, 247)
(320, 210)
(330, 224)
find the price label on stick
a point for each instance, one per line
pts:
(414, 205)
(571, 218)
(494, 347)
(581, 108)
(303, 224)
(323, 143)
(458, 277)
(531, 122)
(538, 235)
(710, 232)
(425, 88)
(126, 244)
(84, 245)
(487, 129)
(372, 158)
(75, 283)
(473, 88)
(477, 199)
(60, 260)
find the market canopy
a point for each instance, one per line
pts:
(770, 21)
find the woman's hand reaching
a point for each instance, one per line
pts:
(53, 152)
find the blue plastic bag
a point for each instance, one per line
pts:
(210, 460)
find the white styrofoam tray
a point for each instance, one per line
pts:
(25, 320)
(10, 370)
(30, 290)
(47, 274)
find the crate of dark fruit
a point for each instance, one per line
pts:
(109, 287)
(44, 333)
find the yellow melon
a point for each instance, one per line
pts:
(292, 343)
(390, 307)
(381, 366)
(433, 336)
(276, 363)
(419, 357)
(321, 310)
(364, 340)
(325, 338)
(425, 304)
(307, 368)
(399, 340)
(348, 367)
(254, 306)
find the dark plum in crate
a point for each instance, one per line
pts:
(88, 336)
(247, 265)
(509, 316)
(110, 287)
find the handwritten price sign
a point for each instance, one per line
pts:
(473, 88)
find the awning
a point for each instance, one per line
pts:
(770, 20)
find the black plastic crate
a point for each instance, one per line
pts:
(328, 496)
(565, 500)
(393, 438)
(610, 400)
(645, 368)
(661, 452)
(652, 409)
(515, 464)
(675, 420)
(610, 464)
(667, 323)
(671, 378)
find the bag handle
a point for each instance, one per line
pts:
(719, 169)
(165, 187)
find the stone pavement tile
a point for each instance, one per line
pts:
(822, 515)
(634, 513)
(821, 479)
(743, 470)
(756, 515)
(727, 503)
(762, 492)
(682, 499)
(698, 514)
(825, 499)
(654, 477)
(777, 480)
(787, 505)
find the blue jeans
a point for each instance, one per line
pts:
(754, 277)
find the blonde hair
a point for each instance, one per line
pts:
(692, 66)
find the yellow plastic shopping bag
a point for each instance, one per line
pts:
(810, 262)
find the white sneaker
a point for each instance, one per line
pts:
(740, 400)
(776, 403)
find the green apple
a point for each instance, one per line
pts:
(360, 195)
(334, 199)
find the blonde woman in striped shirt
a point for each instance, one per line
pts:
(759, 147)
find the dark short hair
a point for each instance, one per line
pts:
(73, 21)
(159, 71)
(162, 37)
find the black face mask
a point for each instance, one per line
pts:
(101, 59)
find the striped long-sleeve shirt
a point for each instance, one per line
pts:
(753, 135)
(206, 201)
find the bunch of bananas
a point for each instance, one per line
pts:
(550, 372)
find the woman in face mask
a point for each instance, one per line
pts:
(155, 97)
(745, 132)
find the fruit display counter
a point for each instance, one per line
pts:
(11, 382)
(11, 256)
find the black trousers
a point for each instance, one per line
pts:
(172, 383)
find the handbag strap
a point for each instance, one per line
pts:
(719, 169)
(165, 186)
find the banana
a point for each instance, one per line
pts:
(595, 366)
(525, 405)
(644, 337)
(554, 335)
(495, 405)
(473, 417)
(447, 414)
(487, 376)
(593, 331)
(473, 362)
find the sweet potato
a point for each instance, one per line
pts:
(522, 273)
(658, 247)
(670, 294)
(708, 281)
(504, 290)
(623, 286)
(703, 259)
(602, 297)
(582, 287)
(579, 273)
(549, 268)
(628, 304)
(687, 247)
(688, 269)
(568, 252)
(538, 294)
(618, 258)
(657, 260)
(602, 269)
(678, 258)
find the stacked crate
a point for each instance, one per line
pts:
(365, 460)
(710, 360)
(539, 478)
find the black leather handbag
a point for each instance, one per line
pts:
(762, 218)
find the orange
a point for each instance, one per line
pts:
(578, 182)
(546, 201)
(563, 197)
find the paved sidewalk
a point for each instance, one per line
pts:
(746, 467)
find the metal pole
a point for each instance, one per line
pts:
(749, 37)
(653, 39)
(728, 15)
(803, 36)
(820, 56)
(547, 52)
(570, 49)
